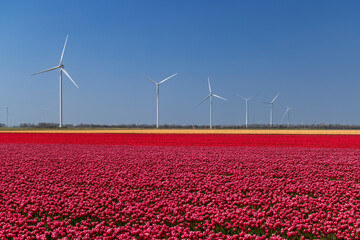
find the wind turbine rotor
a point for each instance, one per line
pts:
(241, 96)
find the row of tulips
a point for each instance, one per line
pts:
(282, 140)
(67, 191)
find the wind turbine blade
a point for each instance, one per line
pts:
(284, 114)
(219, 97)
(168, 78)
(240, 96)
(62, 54)
(275, 98)
(66, 73)
(268, 102)
(209, 85)
(205, 99)
(149, 79)
(47, 70)
(250, 98)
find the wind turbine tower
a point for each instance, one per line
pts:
(271, 108)
(7, 115)
(210, 97)
(246, 109)
(43, 111)
(62, 70)
(157, 95)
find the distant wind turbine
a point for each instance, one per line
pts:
(271, 108)
(7, 115)
(157, 95)
(210, 96)
(62, 70)
(246, 111)
(43, 111)
(288, 115)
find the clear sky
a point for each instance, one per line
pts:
(308, 51)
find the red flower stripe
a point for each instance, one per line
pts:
(329, 141)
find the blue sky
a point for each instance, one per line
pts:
(308, 51)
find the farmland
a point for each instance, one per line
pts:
(179, 186)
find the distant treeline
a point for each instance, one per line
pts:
(174, 126)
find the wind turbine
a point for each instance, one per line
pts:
(157, 95)
(288, 114)
(62, 70)
(210, 96)
(43, 111)
(246, 113)
(271, 108)
(7, 115)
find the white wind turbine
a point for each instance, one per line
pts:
(62, 70)
(7, 115)
(210, 96)
(157, 95)
(246, 108)
(271, 109)
(288, 115)
(43, 111)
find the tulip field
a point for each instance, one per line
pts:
(179, 186)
